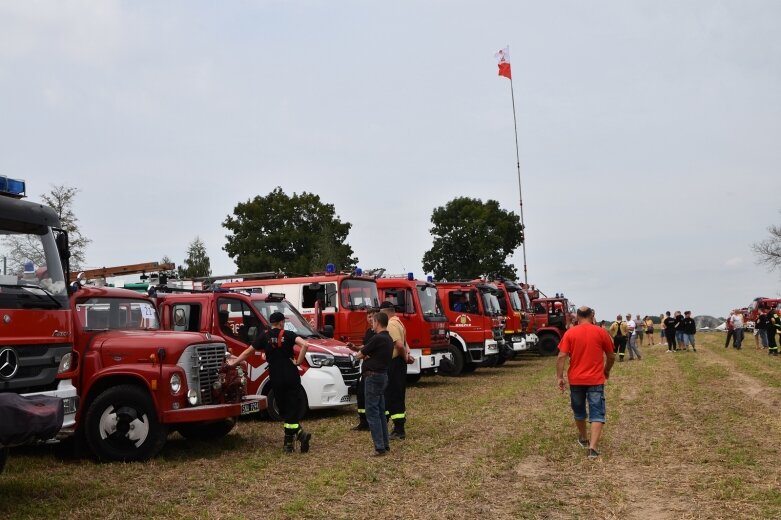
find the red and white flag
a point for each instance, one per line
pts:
(503, 56)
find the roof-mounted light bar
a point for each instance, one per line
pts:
(12, 187)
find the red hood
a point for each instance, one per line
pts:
(146, 342)
(329, 346)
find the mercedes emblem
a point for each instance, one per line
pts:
(9, 363)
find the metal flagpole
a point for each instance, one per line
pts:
(520, 191)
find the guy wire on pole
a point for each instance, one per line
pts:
(520, 191)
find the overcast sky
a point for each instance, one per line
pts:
(649, 131)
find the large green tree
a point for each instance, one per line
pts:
(297, 234)
(472, 238)
(197, 262)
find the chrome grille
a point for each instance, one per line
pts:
(209, 359)
(348, 368)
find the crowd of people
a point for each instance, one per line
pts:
(766, 328)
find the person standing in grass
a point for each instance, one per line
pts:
(631, 326)
(639, 329)
(761, 328)
(376, 356)
(689, 330)
(730, 329)
(661, 329)
(737, 323)
(669, 332)
(649, 330)
(591, 356)
(361, 403)
(618, 331)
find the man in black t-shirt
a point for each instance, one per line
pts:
(376, 356)
(669, 332)
(689, 330)
(362, 424)
(286, 390)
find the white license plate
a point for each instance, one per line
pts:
(251, 407)
(520, 346)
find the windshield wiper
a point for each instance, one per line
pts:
(28, 286)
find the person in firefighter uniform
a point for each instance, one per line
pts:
(277, 344)
(363, 424)
(395, 394)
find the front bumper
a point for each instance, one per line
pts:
(325, 388)
(211, 412)
(491, 347)
(431, 361)
(67, 392)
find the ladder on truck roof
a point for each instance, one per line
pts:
(120, 270)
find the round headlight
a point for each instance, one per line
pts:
(192, 397)
(65, 363)
(176, 384)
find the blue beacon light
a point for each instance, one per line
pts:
(330, 268)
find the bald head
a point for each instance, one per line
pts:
(585, 314)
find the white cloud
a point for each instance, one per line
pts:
(734, 262)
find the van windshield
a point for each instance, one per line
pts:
(293, 319)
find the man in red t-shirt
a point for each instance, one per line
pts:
(587, 347)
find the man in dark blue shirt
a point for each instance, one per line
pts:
(376, 355)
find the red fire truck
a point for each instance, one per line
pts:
(329, 374)
(418, 306)
(137, 382)
(475, 327)
(515, 306)
(752, 311)
(549, 320)
(36, 337)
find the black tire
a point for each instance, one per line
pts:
(470, 367)
(548, 345)
(500, 361)
(210, 431)
(130, 412)
(414, 378)
(458, 360)
(3, 457)
(273, 409)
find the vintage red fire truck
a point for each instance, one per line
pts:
(137, 382)
(329, 375)
(419, 308)
(36, 336)
(550, 318)
(515, 305)
(475, 325)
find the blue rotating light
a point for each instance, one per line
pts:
(330, 268)
(430, 279)
(410, 276)
(358, 271)
(12, 187)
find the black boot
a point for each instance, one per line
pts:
(303, 438)
(363, 425)
(290, 442)
(398, 432)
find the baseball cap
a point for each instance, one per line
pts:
(276, 317)
(387, 305)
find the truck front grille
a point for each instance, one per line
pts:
(209, 360)
(37, 367)
(348, 368)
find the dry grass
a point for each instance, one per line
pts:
(689, 436)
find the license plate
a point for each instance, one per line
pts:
(251, 407)
(520, 346)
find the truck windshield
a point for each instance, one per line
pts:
(359, 294)
(515, 301)
(491, 303)
(429, 301)
(527, 303)
(31, 274)
(117, 314)
(293, 319)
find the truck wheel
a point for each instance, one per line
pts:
(413, 378)
(548, 345)
(3, 457)
(121, 424)
(209, 431)
(500, 359)
(273, 406)
(458, 360)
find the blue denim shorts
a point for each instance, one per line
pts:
(595, 395)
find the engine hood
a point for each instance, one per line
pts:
(147, 342)
(329, 346)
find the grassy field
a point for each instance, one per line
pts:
(689, 435)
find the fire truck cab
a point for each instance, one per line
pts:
(329, 374)
(475, 327)
(137, 382)
(36, 335)
(418, 306)
(515, 305)
(551, 318)
(752, 311)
